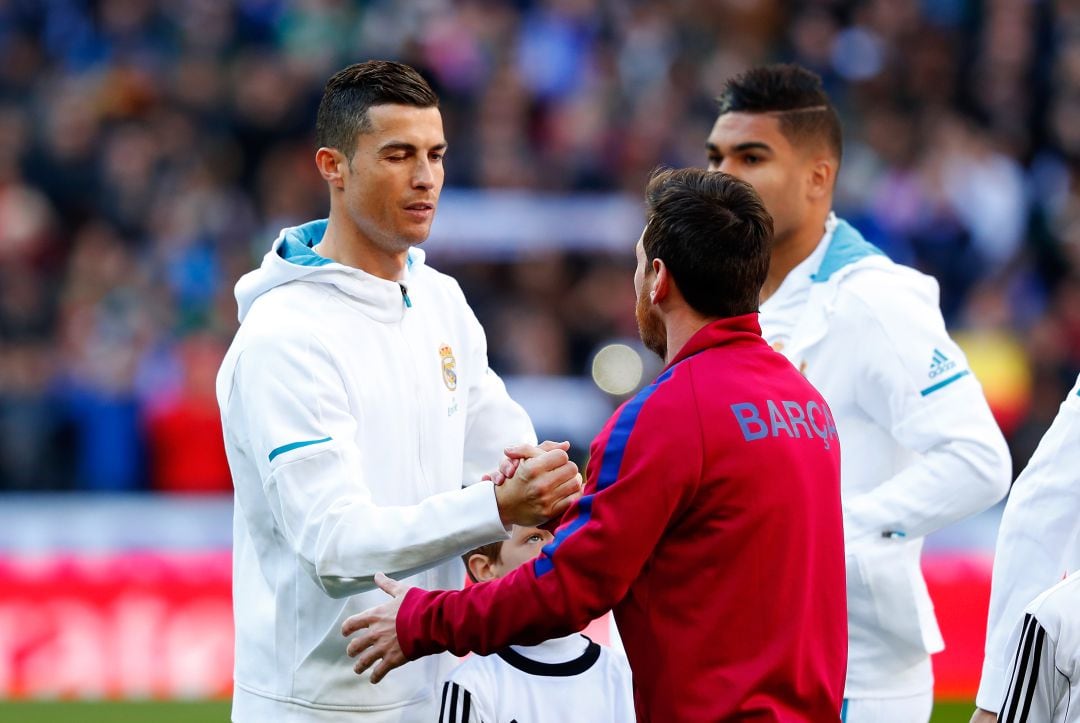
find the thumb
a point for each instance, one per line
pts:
(522, 451)
(388, 585)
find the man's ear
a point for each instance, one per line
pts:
(822, 179)
(481, 567)
(331, 164)
(662, 285)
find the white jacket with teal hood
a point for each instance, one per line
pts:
(359, 415)
(919, 446)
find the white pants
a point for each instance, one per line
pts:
(912, 709)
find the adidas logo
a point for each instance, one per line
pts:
(940, 364)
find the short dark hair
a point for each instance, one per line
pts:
(792, 92)
(491, 551)
(713, 233)
(343, 110)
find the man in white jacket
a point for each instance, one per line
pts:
(360, 415)
(1038, 543)
(920, 447)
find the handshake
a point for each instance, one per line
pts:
(535, 483)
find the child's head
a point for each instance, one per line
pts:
(496, 559)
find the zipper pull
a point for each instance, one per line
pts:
(405, 296)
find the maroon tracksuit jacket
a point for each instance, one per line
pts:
(711, 524)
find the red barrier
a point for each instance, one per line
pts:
(960, 587)
(159, 625)
(122, 626)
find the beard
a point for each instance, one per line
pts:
(651, 327)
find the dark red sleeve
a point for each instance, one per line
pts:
(640, 474)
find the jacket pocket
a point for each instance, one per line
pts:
(895, 595)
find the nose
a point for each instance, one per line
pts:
(424, 175)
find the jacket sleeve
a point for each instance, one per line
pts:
(291, 402)
(461, 705)
(1035, 686)
(640, 476)
(494, 420)
(913, 380)
(1039, 529)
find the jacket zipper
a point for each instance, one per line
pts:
(417, 402)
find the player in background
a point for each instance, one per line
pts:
(1038, 543)
(711, 521)
(558, 681)
(1044, 677)
(921, 448)
(359, 415)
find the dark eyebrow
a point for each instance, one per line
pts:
(752, 146)
(748, 146)
(408, 147)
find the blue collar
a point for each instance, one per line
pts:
(845, 248)
(298, 245)
(296, 248)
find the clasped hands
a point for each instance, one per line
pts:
(534, 483)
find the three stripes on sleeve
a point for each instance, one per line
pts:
(1032, 693)
(456, 704)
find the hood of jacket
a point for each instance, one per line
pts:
(847, 256)
(292, 258)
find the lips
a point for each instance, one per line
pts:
(421, 211)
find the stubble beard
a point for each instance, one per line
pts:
(651, 327)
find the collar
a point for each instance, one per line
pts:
(801, 277)
(298, 247)
(846, 246)
(718, 333)
(581, 662)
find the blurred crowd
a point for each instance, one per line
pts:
(151, 150)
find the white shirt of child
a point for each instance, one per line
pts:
(559, 681)
(1044, 684)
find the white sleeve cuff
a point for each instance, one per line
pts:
(482, 500)
(991, 686)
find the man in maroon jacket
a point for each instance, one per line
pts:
(711, 517)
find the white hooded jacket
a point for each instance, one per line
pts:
(919, 446)
(359, 415)
(1038, 541)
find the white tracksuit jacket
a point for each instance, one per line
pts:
(1044, 671)
(919, 446)
(354, 409)
(1038, 541)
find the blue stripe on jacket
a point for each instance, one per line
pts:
(609, 472)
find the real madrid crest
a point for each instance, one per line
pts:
(449, 367)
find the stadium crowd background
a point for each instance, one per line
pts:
(151, 150)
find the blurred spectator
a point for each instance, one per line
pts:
(150, 151)
(187, 451)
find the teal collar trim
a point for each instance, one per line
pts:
(296, 248)
(846, 247)
(298, 245)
